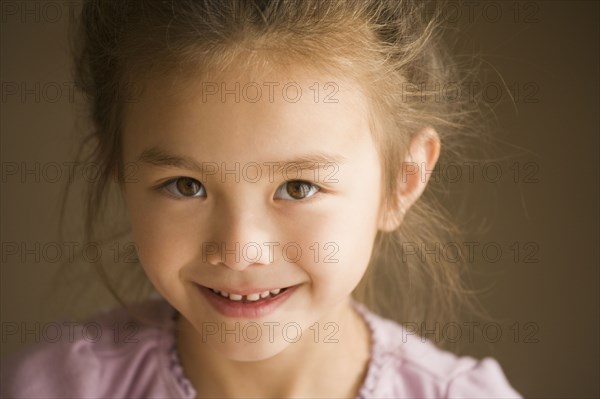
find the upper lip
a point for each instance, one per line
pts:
(247, 291)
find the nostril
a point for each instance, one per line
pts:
(235, 256)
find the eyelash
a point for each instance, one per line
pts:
(164, 187)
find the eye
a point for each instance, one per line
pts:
(296, 190)
(185, 187)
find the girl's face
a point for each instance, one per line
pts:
(225, 195)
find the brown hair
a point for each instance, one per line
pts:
(386, 46)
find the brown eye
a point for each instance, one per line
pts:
(297, 190)
(185, 187)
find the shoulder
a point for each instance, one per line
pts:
(404, 365)
(111, 355)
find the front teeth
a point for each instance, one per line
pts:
(250, 297)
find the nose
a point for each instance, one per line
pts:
(240, 239)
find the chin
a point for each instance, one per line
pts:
(248, 351)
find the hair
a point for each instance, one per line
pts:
(386, 46)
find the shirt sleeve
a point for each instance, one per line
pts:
(138, 365)
(51, 370)
(484, 380)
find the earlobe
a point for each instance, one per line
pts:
(413, 176)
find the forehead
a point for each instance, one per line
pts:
(237, 115)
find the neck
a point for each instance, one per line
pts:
(307, 368)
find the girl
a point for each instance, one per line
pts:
(269, 153)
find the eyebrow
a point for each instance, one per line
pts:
(311, 161)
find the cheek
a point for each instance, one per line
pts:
(163, 244)
(341, 249)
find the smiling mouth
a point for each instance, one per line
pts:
(249, 298)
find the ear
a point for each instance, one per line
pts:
(419, 161)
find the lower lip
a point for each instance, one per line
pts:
(249, 310)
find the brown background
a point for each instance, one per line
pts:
(545, 52)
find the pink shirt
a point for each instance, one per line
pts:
(93, 361)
